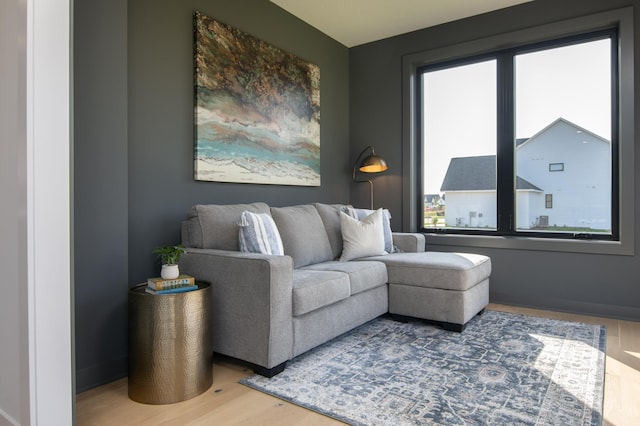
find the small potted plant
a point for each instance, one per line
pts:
(170, 255)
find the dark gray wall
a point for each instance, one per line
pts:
(161, 185)
(588, 283)
(15, 400)
(100, 190)
(134, 148)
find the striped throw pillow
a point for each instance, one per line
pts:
(259, 234)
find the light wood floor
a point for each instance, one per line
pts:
(229, 403)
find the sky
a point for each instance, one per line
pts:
(571, 82)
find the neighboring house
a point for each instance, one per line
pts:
(433, 200)
(563, 179)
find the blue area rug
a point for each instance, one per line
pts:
(504, 369)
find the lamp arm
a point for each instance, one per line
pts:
(355, 168)
(355, 165)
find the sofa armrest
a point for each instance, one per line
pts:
(251, 310)
(411, 242)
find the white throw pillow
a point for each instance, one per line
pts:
(259, 234)
(386, 223)
(361, 238)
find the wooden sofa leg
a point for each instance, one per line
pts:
(269, 372)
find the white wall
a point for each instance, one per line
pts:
(35, 308)
(460, 203)
(525, 213)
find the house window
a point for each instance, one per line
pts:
(490, 122)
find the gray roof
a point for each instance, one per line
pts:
(525, 184)
(476, 174)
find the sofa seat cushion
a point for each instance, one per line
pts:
(448, 271)
(316, 289)
(363, 276)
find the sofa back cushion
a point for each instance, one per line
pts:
(215, 226)
(303, 234)
(330, 215)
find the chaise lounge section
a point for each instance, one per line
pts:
(269, 308)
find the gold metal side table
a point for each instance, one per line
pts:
(170, 347)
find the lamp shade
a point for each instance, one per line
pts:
(373, 164)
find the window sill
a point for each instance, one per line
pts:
(619, 248)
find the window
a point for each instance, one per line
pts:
(488, 125)
(468, 173)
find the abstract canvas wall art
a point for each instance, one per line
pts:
(257, 110)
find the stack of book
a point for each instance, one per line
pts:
(177, 285)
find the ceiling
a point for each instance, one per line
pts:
(355, 22)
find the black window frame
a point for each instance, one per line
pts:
(505, 149)
(556, 167)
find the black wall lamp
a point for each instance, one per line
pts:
(372, 163)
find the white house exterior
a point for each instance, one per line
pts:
(475, 209)
(563, 179)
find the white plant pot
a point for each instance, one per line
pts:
(169, 272)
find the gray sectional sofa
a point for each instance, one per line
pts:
(267, 309)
